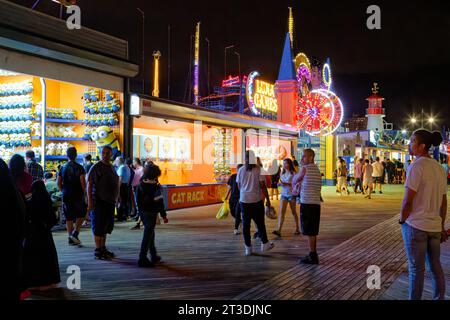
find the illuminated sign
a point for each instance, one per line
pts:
(230, 82)
(260, 95)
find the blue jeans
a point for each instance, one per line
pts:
(423, 246)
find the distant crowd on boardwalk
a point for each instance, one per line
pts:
(368, 174)
(94, 192)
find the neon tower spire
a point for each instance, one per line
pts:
(291, 26)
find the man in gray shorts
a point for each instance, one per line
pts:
(102, 192)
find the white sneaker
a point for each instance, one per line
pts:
(236, 232)
(248, 251)
(267, 246)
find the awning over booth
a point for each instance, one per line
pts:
(160, 108)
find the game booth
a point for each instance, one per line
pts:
(197, 149)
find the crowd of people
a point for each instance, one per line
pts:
(248, 188)
(91, 192)
(369, 175)
(95, 191)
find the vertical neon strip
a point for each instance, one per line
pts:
(196, 62)
(291, 26)
(156, 56)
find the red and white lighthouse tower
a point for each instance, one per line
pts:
(375, 113)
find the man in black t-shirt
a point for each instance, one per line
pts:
(235, 208)
(102, 194)
(72, 184)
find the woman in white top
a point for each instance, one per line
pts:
(252, 184)
(286, 177)
(423, 213)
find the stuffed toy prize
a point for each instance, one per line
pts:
(104, 136)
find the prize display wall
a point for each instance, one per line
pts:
(73, 113)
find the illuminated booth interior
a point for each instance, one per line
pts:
(49, 116)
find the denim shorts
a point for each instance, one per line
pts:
(288, 198)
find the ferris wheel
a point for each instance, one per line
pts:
(319, 112)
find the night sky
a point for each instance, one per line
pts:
(409, 57)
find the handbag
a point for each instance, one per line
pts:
(270, 212)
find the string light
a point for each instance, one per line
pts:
(249, 90)
(326, 75)
(196, 62)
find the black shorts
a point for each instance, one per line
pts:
(310, 219)
(74, 210)
(102, 218)
(377, 179)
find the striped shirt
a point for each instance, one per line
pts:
(311, 185)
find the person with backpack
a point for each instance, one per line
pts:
(72, 184)
(150, 202)
(233, 200)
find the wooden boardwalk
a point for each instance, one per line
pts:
(204, 260)
(399, 289)
(342, 272)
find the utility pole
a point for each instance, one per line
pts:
(240, 80)
(208, 71)
(168, 65)
(225, 60)
(239, 63)
(143, 48)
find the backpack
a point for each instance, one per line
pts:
(72, 189)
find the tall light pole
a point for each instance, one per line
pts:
(208, 71)
(239, 63)
(143, 48)
(168, 63)
(225, 60)
(240, 81)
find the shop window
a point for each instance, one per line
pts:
(187, 153)
(73, 113)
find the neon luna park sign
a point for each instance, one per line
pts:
(260, 95)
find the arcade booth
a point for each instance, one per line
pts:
(197, 149)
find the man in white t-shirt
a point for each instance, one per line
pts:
(377, 175)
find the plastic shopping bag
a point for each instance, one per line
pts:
(224, 210)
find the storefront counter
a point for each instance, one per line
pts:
(193, 195)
